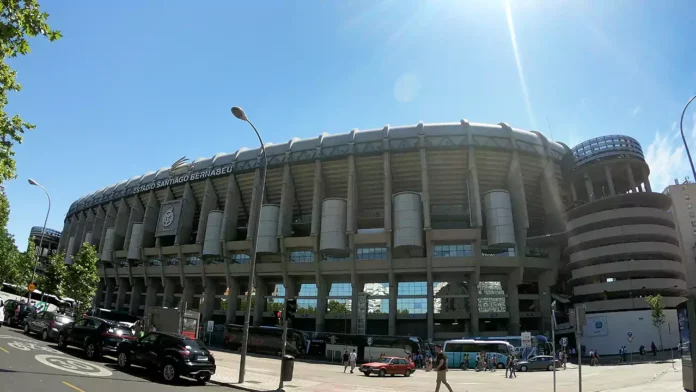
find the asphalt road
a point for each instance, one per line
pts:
(28, 364)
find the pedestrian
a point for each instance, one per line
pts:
(441, 369)
(465, 364)
(495, 362)
(2, 312)
(653, 347)
(345, 360)
(137, 328)
(353, 358)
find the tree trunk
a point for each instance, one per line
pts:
(659, 331)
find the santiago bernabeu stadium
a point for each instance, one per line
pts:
(453, 229)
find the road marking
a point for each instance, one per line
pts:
(4, 349)
(73, 387)
(22, 346)
(73, 365)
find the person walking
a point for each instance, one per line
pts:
(353, 358)
(2, 312)
(441, 369)
(653, 347)
(345, 360)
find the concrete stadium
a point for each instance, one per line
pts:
(453, 229)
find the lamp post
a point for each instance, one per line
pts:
(686, 146)
(43, 231)
(239, 113)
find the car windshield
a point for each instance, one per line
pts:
(194, 344)
(384, 360)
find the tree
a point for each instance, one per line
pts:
(52, 281)
(9, 255)
(81, 277)
(335, 307)
(25, 265)
(19, 21)
(658, 313)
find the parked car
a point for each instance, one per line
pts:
(94, 335)
(389, 365)
(170, 355)
(16, 312)
(46, 324)
(540, 362)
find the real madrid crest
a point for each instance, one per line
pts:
(168, 216)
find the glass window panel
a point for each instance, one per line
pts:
(308, 290)
(301, 256)
(371, 253)
(411, 305)
(240, 258)
(412, 288)
(341, 290)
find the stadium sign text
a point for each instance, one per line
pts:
(193, 176)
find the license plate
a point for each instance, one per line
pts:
(201, 358)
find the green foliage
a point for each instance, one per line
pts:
(336, 307)
(275, 306)
(81, 277)
(403, 311)
(25, 265)
(53, 279)
(306, 310)
(657, 313)
(19, 21)
(9, 256)
(244, 302)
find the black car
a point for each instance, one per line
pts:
(94, 335)
(46, 324)
(16, 312)
(170, 355)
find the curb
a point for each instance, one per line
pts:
(241, 388)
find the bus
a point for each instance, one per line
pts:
(331, 346)
(455, 351)
(540, 345)
(267, 340)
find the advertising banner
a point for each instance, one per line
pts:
(596, 326)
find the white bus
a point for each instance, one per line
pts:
(456, 350)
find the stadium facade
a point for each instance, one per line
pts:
(451, 229)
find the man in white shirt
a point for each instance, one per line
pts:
(353, 358)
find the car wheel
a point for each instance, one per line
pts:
(550, 368)
(382, 373)
(523, 368)
(367, 374)
(61, 341)
(91, 351)
(123, 362)
(500, 366)
(169, 372)
(44, 335)
(203, 378)
(26, 329)
(408, 373)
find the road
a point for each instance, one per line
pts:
(28, 364)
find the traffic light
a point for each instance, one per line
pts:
(279, 317)
(290, 308)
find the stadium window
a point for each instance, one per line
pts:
(240, 258)
(371, 253)
(301, 256)
(453, 250)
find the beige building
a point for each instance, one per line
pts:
(683, 197)
(454, 229)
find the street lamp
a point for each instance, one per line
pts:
(239, 113)
(686, 146)
(43, 231)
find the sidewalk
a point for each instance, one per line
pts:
(256, 379)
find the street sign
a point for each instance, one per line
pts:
(369, 341)
(629, 336)
(564, 342)
(526, 339)
(211, 326)
(31, 287)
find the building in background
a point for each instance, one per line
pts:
(683, 200)
(457, 229)
(49, 245)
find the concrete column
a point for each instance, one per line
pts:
(287, 202)
(186, 223)
(63, 242)
(573, 192)
(472, 284)
(291, 287)
(646, 180)
(631, 178)
(546, 280)
(187, 295)
(209, 203)
(150, 221)
(136, 293)
(209, 299)
(80, 232)
(474, 191)
(89, 223)
(121, 296)
(136, 215)
(393, 294)
(387, 192)
(109, 293)
(109, 220)
(357, 287)
(317, 199)
(610, 180)
(229, 219)
(99, 295)
(351, 197)
(259, 301)
(256, 198)
(168, 299)
(121, 225)
(589, 188)
(518, 201)
(153, 288)
(323, 288)
(232, 300)
(425, 188)
(513, 301)
(97, 227)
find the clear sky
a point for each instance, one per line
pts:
(133, 86)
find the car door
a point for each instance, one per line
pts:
(77, 332)
(146, 349)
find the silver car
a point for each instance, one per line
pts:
(540, 362)
(46, 324)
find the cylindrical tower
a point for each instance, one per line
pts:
(408, 220)
(268, 229)
(108, 245)
(622, 241)
(333, 241)
(500, 228)
(135, 242)
(211, 243)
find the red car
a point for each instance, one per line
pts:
(389, 365)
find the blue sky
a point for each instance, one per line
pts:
(133, 86)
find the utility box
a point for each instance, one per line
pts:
(287, 368)
(173, 320)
